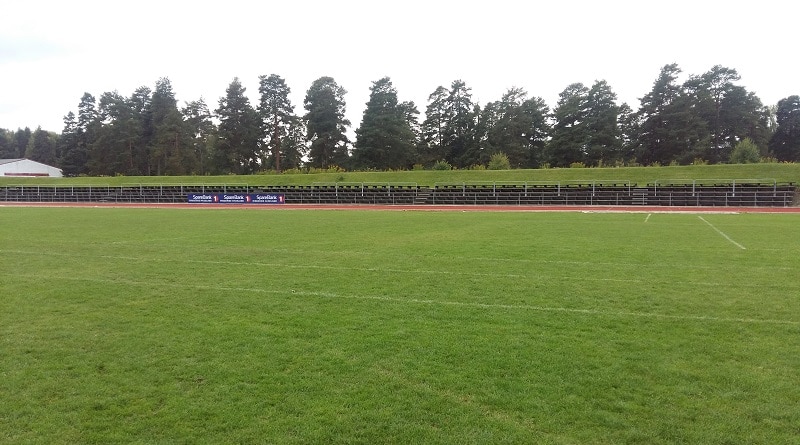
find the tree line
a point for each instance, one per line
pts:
(707, 118)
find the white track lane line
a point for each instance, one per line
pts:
(722, 233)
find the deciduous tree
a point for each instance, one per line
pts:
(785, 143)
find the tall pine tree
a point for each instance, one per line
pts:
(604, 143)
(112, 152)
(88, 127)
(516, 126)
(384, 140)
(433, 128)
(326, 124)
(172, 152)
(42, 147)
(202, 131)
(73, 157)
(279, 124)
(569, 143)
(7, 148)
(461, 116)
(239, 132)
(671, 130)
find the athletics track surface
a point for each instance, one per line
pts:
(420, 208)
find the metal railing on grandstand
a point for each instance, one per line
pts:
(764, 192)
(359, 193)
(588, 192)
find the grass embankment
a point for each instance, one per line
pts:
(291, 326)
(782, 173)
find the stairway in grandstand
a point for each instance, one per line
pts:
(639, 196)
(423, 195)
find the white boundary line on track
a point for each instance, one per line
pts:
(517, 307)
(722, 233)
(426, 207)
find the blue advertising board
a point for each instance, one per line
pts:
(236, 198)
(267, 198)
(205, 198)
(233, 198)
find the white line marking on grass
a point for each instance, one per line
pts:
(648, 217)
(722, 233)
(534, 261)
(530, 276)
(418, 301)
(344, 268)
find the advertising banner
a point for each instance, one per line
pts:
(207, 198)
(267, 198)
(236, 198)
(233, 198)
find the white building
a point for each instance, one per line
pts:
(27, 168)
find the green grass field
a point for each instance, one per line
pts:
(637, 175)
(294, 326)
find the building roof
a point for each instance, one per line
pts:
(28, 167)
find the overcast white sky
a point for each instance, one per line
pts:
(51, 52)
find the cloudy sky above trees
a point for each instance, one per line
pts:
(51, 52)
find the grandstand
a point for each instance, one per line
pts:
(713, 193)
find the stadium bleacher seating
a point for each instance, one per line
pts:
(720, 193)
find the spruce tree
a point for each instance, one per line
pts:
(384, 140)
(325, 124)
(239, 132)
(282, 149)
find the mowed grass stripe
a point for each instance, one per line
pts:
(437, 260)
(382, 298)
(497, 274)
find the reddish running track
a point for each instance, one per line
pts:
(421, 207)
